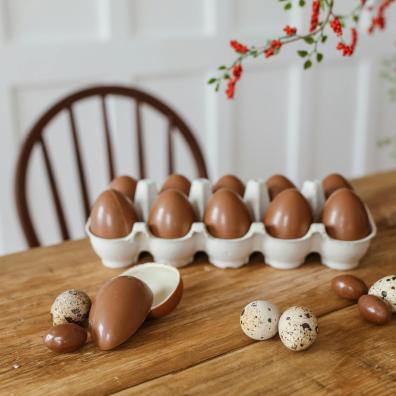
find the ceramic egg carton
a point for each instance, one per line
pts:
(230, 253)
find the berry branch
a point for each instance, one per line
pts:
(322, 16)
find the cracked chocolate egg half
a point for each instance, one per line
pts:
(164, 281)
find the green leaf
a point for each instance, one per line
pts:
(302, 53)
(319, 57)
(307, 64)
(324, 39)
(212, 80)
(309, 40)
(222, 67)
(301, 3)
(217, 87)
(287, 6)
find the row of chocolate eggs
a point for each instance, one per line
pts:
(288, 216)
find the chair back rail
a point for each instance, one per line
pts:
(36, 136)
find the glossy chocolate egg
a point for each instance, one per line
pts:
(177, 182)
(124, 184)
(231, 182)
(349, 286)
(171, 215)
(119, 309)
(112, 215)
(288, 216)
(345, 217)
(333, 183)
(226, 215)
(65, 338)
(276, 184)
(374, 310)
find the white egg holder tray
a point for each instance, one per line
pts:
(230, 253)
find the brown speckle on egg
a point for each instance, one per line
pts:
(71, 306)
(259, 320)
(298, 328)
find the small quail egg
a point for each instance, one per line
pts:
(298, 328)
(385, 288)
(259, 320)
(71, 306)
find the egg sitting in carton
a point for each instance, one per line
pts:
(230, 220)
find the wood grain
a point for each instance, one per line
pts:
(202, 336)
(349, 355)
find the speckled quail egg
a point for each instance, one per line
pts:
(298, 328)
(71, 306)
(385, 288)
(259, 320)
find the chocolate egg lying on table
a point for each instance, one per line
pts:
(298, 328)
(65, 338)
(276, 184)
(119, 309)
(231, 182)
(164, 281)
(288, 216)
(334, 182)
(171, 215)
(259, 320)
(226, 215)
(385, 288)
(113, 215)
(374, 310)
(71, 306)
(177, 182)
(349, 286)
(345, 217)
(124, 184)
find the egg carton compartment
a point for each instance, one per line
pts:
(230, 253)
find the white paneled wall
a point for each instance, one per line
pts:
(303, 124)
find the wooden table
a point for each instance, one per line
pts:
(200, 348)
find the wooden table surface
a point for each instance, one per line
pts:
(200, 348)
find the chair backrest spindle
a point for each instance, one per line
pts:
(80, 167)
(54, 191)
(170, 147)
(109, 145)
(139, 139)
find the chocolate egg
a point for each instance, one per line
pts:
(65, 338)
(276, 184)
(226, 215)
(345, 217)
(166, 283)
(112, 215)
(349, 286)
(171, 215)
(288, 216)
(374, 310)
(333, 183)
(177, 182)
(231, 182)
(125, 185)
(119, 309)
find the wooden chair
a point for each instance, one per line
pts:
(36, 136)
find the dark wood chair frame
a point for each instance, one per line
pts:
(36, 136)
